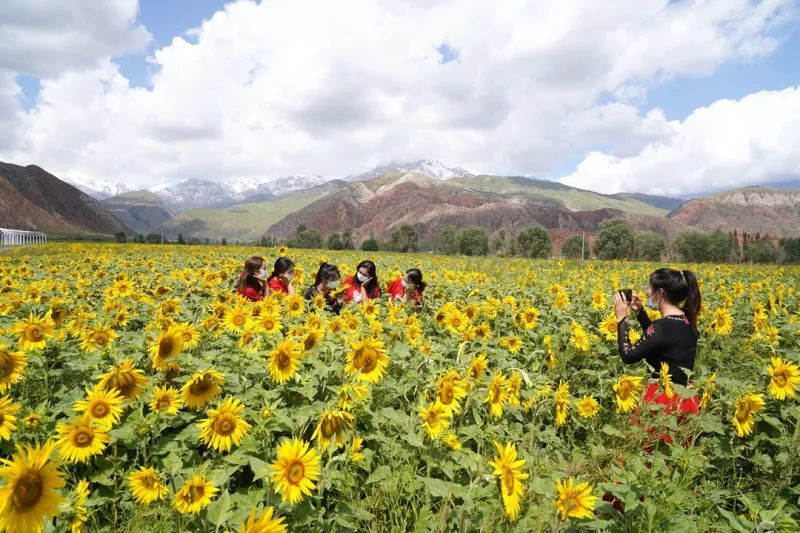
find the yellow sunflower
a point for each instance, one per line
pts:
(508, 469)
(224, 426)
(355, 450)
(284, 360)
(529, 317)
(295, 305)
(190, 337)
(201, 388)
(126, 379)
(146, 485)
(587, 407)
(166, 399)
(295, 471)
(722, 322)
(561, 400)
(270, 323)
(579, 338)
(30, 490)
(195, 495)
(97, 337)
(435, 419)
(746, 407)
(102, 406)
(330, 428)
(477, 367)
(266, 523)
(8, 418)
(166, 348)
(80, 514)
(627, 389)
(575, 501)
(34, 331)
(12, 367)
(496, 394)
(609, 326)
(367, 360)
(451, 391)
(80, 439)
(785, 378)
(350, 393)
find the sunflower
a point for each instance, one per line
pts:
(295, 471)
(785, 378)
(270, 323)
(367, 360)
(146, 485)
(266, 523)
(32, 420)
(747, 406)
(295, 305)
(708, 390)
(126, 379)
(561, 400)
(722, 322)
(451, 441)
(579, 338)
(166, 347)
(355, 450)
(587, 407)
(451, 391)
(201, 388)
(80, 439)
(30, 491)
(97, 337)
(455, 321)
(237, 318)
(34, 331)
(575, 501)
(8, 418)
(249, 341)
(195, 495)
(350, 393)
(330, 427)
(627, 389)
(550, 359)
(12, 367)
(312, 339)
(508, 469)
(513, 389)
(190, 337)
(435, 419)
(284, 360)
(666, 380)
(609, 326)
(496, 394)
(102, 406)
(477, 367)
(224, 426)
(529, 317)
(166, 399)
(80, 514)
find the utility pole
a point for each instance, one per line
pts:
(162, 234)
(583, 240)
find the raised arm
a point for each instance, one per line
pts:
(651, 342)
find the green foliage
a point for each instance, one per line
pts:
(574, 247)
(648, 246)
(404, 239)
(307, 238)
(614, 239)
(699, 247)
(534, 243)
(335, 242)
(370, 245)
(760, 251)
(472, 241)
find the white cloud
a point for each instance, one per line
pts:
(331, 88)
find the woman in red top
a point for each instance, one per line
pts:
(364, 285)
(281, 278)
(408, 288)
(252, 284)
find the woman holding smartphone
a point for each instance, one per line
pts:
(281, 278)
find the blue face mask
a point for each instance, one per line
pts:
(652, 304)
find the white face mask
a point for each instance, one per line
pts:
(289, 277)
(262, 273)
(404, 283)
(333, 284)
(361, 277)
(652, 304)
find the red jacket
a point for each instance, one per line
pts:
(275, 285)
(353, 291)
(250, 293)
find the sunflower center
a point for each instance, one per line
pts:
(432, 419)
(27, 491)
(780, 379)
(296, 472)
(6, 365)
(149, 482)
(447, 394)
(329, 427)
(496, 393)
(164, 402)
(202, 386)
(34, 333)
(165, 347)
(238, 319)
(100, 410)
(224, 425)
(508, 480)
(101, 339)
(283, 360)
(83, 437)
(196, 493)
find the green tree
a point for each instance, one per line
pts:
(120, 236)
(649, 246)
(224, 241)
(335, 242)
(761, 251)
(614, 239)
(692, 246)
(473, 241)
(498, 242)
(404, 239)
(347, 239)
(790, 250)
(309, 238)
(370, 245)
(449, 239)
(153, 238)
(535, 242)
(181, 239)
(574, 247)
(721, 247)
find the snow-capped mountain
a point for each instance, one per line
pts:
(194, 193)
(426, 167)
(98, 188)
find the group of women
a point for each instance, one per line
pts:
(255, 283)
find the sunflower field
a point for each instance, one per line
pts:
(138, 392)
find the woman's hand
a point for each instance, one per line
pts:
(635, 304)
(364, 285)
(620, 306)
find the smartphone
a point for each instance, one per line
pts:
(628, 294)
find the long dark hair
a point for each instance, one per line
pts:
(415, 276)
(371, 272)
(326, 273)
(679, 286)
(282, 264)
(248, 276)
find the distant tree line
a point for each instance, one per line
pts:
(614, 239)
